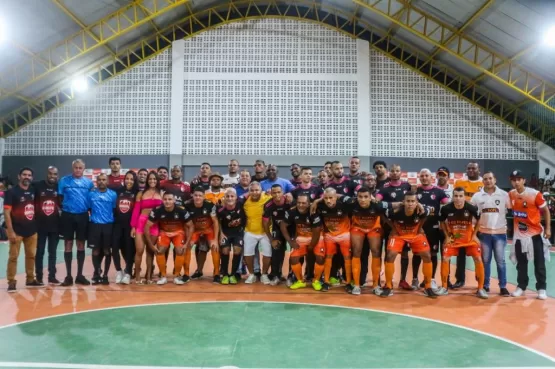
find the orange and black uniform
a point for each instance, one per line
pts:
(171, 226)
(47, 206)
(276, 212)
(232, 226)
(409, 230)
(366, 221)
(202, 220)
(181, 191)
(301, 225)
(121, 234)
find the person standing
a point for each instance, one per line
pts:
(121, 234)
(47, 208)
(115, 179)
(528, 206)
(73, 191)
(233, 173)
(19, 212)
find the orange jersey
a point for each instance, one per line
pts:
(470, 187)
(368, 219)
(168, 221)
(526, 211)
(459, 221)
(215, 198)
(336, 220)
(304, 223)
(407, 226)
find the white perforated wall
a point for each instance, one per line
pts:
(271, 87)
(128, 115)
(414, 117)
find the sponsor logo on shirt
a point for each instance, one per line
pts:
(520, 214)
(124, 206)
(29, 211)
(48, 207)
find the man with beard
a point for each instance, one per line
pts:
(176, 186)
(203, 179)
(115, 179)
(369, 181)
(295, 173)
(380, 168)
(162, 173)
(259, 171)
(215, 194)
(19, 208)
(327, 167)
(443, 175)
(471, 184)
(273, 179)
(141, 179)
(47, 209)
(274, 212)
(354, 170)
(232, 220)
(306, 187)
(232, 177)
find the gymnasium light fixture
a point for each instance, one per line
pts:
(549, 37)
(80, 84)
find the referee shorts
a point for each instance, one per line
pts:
(74, 226)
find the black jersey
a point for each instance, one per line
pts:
(344, 187)
(124, 205)
(313, 192)
(232, 221)
(407, 225)
(391, 193)
(47, 205)
(460, 221)
(302, 224)
(22, 205)
(276, 212)
(432, 197)
(201, 216)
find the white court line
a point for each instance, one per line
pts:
(289, 303)
(94, 366)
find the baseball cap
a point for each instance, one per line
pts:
(516, 174)
(444, 170)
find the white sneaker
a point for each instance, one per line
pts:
(356, 291)
(434, 284)
(119, 277)
(415, 284)
(265, 279)
(481, 293)
(518, 292)
(126, 279)
(162, 281)
(274, 282)
(542, 294)
(251, 279)
(178, 280)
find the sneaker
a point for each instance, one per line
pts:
(178, 281)
(12, 288)
(486, 289)
(297, 285)
(39, 280)
(126, 279)
(162, 281)
(386, 292)
(265, 279)
(257, 274)
(325, 287)
(504, 292)
(119, 277)
(414, 285)
(377, 290)
(275, 281)
(428, 292)
(422, 284)
(225, 280)
(542, 295)
(317, 286)
(186, 279)
(518, 292)
(458, 285)
(34, 284)
(232, 280)
(251, 279)
(356, 290)
(349, 288)
(434, 285)
(442, 291)
(54, 281)
(68, 281)
(82, 281)
(481, 293)
(405, 286)
(216, 279)
(196, 275)
(105, 280)
(335, 282)
(96, 280)
(289, 282)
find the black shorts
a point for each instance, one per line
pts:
(100, 236)
(232, 240)
(74, 226)
(435, 237)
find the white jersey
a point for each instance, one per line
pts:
(493, 210)
(448, 191)
(228, 180)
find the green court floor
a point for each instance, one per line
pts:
(254, 335)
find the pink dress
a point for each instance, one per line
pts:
(138, 220)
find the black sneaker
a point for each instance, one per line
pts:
(349, 288)
(325, 287)
(39, 280)
(186, 279)
(68, 281)
(34, 283)
(217, 279)
(105, 281)
(197, 275)
(82, 280)
(504, 292)
(487, 289)
(449, 285)
(386, 292)
(96, 280)
(12, 288)
(428, 292)
(458, 285)
(54, 281)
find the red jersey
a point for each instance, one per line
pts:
(115, 182)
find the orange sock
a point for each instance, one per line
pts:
(376, 269)
(187, 261)
(179, 260)
(298, 270)
(427, 269)
(318, 270)
(348, 270)
(327, 270)
(444, 273)
(480, 274)
(389, 270)
(216, 261)
(161, 261)
(356, 271)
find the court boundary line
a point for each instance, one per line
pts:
(506, 340)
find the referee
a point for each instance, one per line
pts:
(73, 190)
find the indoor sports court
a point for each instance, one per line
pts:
(277, 184)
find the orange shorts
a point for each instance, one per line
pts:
(472, 249)
(417, 244)
(208, 234)
(175, 238)
(369, 233)
(304, 242)
(342, 240)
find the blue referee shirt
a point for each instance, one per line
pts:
(75, 193)
(102, 206)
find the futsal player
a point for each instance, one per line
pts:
(115, 179)
(179, 188)
(232, 218)
(354, 170)
(380, 168)
(203, 179)
(295, 174)
(121, 234)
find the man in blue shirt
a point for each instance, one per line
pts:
(102, 202)
(73, 190)
(244, 181)
(273, 179)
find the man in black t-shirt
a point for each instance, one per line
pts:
(19, 208)
(47, 205)
(232, 219)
